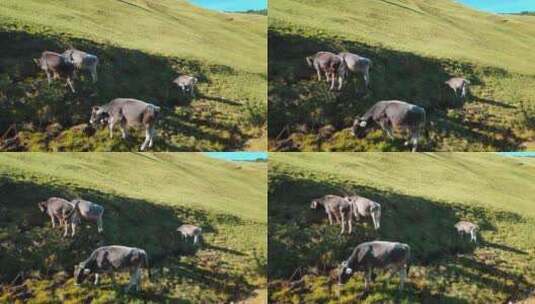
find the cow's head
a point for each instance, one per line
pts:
(81, 273)
(42, 206)
(309, 60)
(37, 61)
(361, 127)
(98, 115)
(314, 204)
(344, 273)
(194, 80)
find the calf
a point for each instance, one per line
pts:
(56, 208)
(338, 207)
(459, 86)
(83, 61)
(108, 259)
(367, 256)
(186, 83)
(363, 207)
(357, 64)
(129, 113)
(85, 210)
(57, 66)
(393, 115)
(331, 65)
(464, 227)
(190, 231)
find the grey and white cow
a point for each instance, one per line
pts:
(186, 83)
(464, 227)
(329, 64)
(56, 66)
(83, 61)
(337, 207)
(57, 209)
(188, 230)
(363, 207)
(87, 211)
(393, 115)
(128, 112)
(109, 259)
(459, 85)
(391, 256)
(358, 65)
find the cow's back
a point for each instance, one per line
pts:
(381, 254)
(402, 113)
(89, 209)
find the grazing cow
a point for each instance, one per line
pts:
(186, 83)
(57, 66)
(83, 61)
(128, 113)
(190, 231)
(338, 207)
(464, 227)
(363, 207)
(331, 64)
(56, 208)
(367, 256)
(357, 64)
(393, 115)
(459, 86)
(85, 210)
(109, 259)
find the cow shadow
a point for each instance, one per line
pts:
(298, 101)
(301, 238)
(33, 105)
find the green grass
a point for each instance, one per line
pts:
(415, 46)
(146, 196)
(423, 196)
(227, 52)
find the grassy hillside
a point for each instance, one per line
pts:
(415, 46)
(422, 196)
(138, 59)
(143, 208)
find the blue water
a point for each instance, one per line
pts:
(238, 156)
(501, 6)
(231, 5)
(518, 154)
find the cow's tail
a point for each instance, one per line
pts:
(409, 259)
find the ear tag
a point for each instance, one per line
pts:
(349, 271)
(363, 123)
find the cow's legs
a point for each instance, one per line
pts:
(152, 135)
(112, 276)
(99, 224)
(195, 239)
(340, 82)
(367, 78)
(333, 81)
(111, 122)
(472, 236)
(319, 74)
(147, 138)
(53, 221)
(70, 84)
(384, 125)
(350, 223)
(367, 279)
(343, 222)
(94, 74)
(402, 276)
(48, 77)
(330, 218)
(66, 225)
(96, 278)
(337, 218)
(73, 227)
(123, 127)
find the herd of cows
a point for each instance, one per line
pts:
(127, 112)
(390, 256)
(106, 259)
(390, 115)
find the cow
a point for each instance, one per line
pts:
(460, 86)
(187, 230)
(368, 256)
(186, 83)
(128, 112)
(56, 66)
(338, 207)
(109, 259)
(83, 61)
(363, 207)
(85, 210)
(464, 227)
(357, 64)
(56, 208)
(392, 115)
(331, 65)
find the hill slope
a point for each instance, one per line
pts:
(142, 47)
(144, 206)
(422, 197)
(415, 46)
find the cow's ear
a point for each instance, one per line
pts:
(86, 271)
(349, 271)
